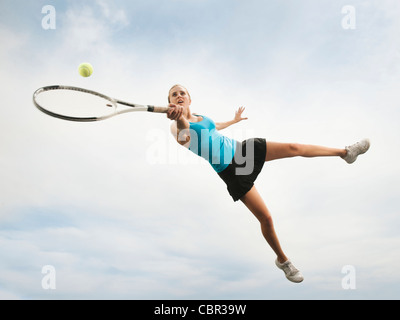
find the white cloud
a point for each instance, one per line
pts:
(84, 31)
(111, 13)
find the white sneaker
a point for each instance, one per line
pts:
(356, 149)
(291, 273)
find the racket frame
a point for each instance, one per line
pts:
(114, 102)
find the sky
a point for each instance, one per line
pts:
(118, 210)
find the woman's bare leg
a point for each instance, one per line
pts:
(276, 150)
(256, 205)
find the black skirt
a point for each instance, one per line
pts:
(245, 167)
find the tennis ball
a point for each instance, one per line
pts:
(85, 69)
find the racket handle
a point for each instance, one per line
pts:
(158, 109)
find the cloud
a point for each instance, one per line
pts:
(113, 14)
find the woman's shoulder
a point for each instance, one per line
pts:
(198, 117)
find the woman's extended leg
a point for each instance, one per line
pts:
(256, 205)
(276, 150)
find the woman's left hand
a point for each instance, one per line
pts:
(238, 114)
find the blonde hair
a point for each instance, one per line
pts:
(177, 85)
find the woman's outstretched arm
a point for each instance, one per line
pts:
(238, 117)
(179, 127)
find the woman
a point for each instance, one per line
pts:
(239, 164)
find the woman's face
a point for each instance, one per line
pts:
(179, 95)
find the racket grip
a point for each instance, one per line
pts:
(158, 109)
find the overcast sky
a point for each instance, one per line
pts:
(120, 211)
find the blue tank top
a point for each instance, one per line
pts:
(208, 143)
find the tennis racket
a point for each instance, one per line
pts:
(77, 104)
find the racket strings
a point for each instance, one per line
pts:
(75, 103)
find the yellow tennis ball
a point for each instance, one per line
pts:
(85, 69)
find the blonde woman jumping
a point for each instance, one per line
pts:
(239, 163)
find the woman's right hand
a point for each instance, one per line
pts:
(174, 112)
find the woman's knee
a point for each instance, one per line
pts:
(266, 221)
